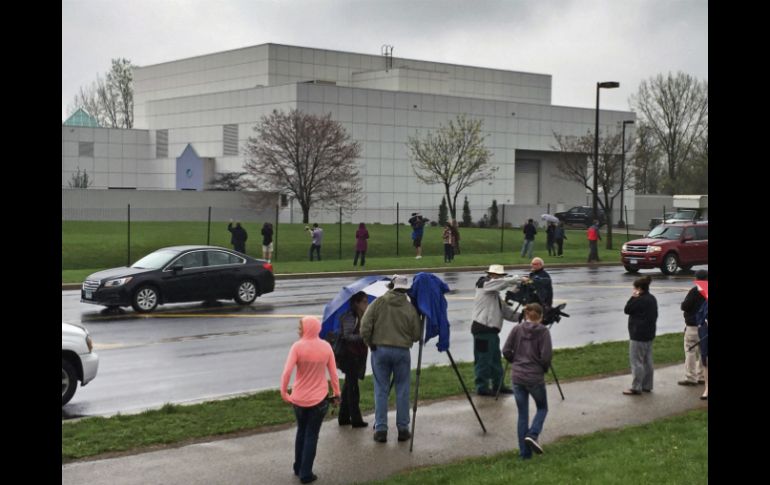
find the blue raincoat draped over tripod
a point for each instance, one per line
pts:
(427, 294)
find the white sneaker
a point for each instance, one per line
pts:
(417, 257)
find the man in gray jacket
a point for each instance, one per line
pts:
(489, 310)
(389, 328)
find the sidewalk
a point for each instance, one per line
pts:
(446, 431)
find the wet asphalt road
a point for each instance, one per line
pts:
(188, 352)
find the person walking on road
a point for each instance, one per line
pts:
(528, 348)
(389, 328)
(693, 369)
(642, 311)
(313, 358)
(238, 236)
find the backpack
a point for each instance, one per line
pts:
(702, 315)
(336, 340)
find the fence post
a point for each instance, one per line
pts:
(208, 230)
(626, 210)
(340, 232)
(128, 245)
(397, 224)
(275, 235)
(502, 229)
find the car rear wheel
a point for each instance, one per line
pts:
(69, 381)
(631, 269)
(145, 299)
(670, 263)
(246, 292)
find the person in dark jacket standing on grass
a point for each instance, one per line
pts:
(529, 350)
(642, 311)
(354, 363)
(529, 239)
(550, 239)
(267, 241)
(239, 236)
(559, 237)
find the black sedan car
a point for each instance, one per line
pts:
(178, 274)
(581, 216)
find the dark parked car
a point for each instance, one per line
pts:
(178, 274)
(581, 215)
(668, 246)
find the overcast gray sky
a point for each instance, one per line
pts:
(578, 42)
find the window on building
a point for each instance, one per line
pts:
(86, 149)
(230, 140)
(161, 144)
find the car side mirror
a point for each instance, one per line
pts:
(177, 267)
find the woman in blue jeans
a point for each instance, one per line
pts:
(528, 348)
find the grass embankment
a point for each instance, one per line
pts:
(667, 451)
(88, 246)
(177, 424)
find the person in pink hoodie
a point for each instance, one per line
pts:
(312, 357)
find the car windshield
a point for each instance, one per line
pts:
(682, 215)
(155, 260)
(665, 232)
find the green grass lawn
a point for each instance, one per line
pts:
(177, 424)
(673, 450)
(92, 246)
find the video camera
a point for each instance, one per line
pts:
(554, 314)
(527, 293)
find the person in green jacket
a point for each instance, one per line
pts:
(389, 328)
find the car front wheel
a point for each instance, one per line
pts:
(69, 381)
(670, 263)
(246, 292)
(145, 299)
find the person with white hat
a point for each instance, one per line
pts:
(489, 310)
(389, 328)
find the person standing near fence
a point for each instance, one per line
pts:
(559, 237)
(316, 236)
(529, 239)
(361, 244)
(238, 237)
(417, 221)
(593, 242)
(448, 246)
(267, 241)
(455, 238)
(550, 239)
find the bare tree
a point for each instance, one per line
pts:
(110, 99)
(454, 156)
(309, 157)
(575, 162)
(676, 109)
(229, 181)
(646, 161)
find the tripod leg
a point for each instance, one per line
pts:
(557, 382)
(417, 381)
(505, 371)
(462, 383)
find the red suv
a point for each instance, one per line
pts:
(667, 247)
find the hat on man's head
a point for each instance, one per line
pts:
(496, 269)
(400, 282)
(702, 274)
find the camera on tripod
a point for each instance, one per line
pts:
(527, 293)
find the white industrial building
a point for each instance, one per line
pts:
(205, 108)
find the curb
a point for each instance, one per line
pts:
(441, 269)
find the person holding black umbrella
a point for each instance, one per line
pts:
(354, 362)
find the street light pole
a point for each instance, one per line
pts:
(621, 222)
(608, 85)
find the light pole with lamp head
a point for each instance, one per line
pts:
(621, 222)
(608, 85)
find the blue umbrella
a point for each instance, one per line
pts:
(373, 286)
